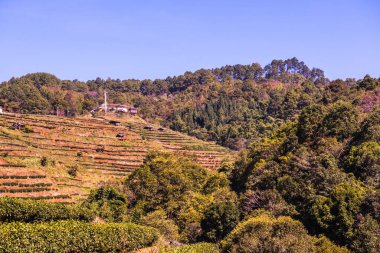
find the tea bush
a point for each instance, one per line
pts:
(74, 236)
(37, 210)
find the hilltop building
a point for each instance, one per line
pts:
(118, 108)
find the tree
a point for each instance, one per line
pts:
(108, 203)
(309, 123)
(364, 161)
(265, 233)
(24, 97)
(336, 214)
(219, 220)
(368, 83)
(268, 234)
(159, 220)
(341, 120)
(180, 187)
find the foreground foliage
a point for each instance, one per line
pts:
(179, 193)
(267, 234)
(37, 211)
(107, 203)
(323, 171)
(72, 236)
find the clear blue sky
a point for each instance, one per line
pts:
(84, 39)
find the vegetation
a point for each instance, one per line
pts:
(107, 203)
(304, 171)
(19, 210)
(306, 178)
(267, 234)
(178, 191)
(194, 248)
(232, 105)
(73, 236)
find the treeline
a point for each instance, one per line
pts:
(232, 105)
(290, 70)
(45, 93)
(243, 111)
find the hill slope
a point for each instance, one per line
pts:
(233, 105)
(63, 158)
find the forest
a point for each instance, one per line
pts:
(306, 177)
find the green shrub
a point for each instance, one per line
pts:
(268, 234)
(44, 161)
(73, 171)
(27, 129)
(324, 245)
(194, 248)
(74, 236)
(108, 203)
(159, 220)
(37, 210)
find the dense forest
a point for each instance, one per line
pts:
(307, 178)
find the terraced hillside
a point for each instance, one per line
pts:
(61, 159)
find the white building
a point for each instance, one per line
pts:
(1, 109)
(117, 108)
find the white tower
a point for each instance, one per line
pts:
(105, 101)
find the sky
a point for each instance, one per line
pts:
(85, 39)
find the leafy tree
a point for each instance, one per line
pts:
(178, 186)
(368, 83)
(309, 123)
(42, 79)
(24, 96)
(108, 203)
(364, 162)
(219, 220)
(336, 213)
(159, 220)
(365, 237)
(341, 120)
(267, 234)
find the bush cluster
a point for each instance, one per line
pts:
(74, 236)
(264, 233)
(37, 210)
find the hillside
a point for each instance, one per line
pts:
(306, 178)
(61, 159)
(232, 105)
